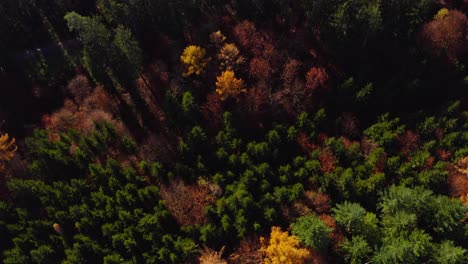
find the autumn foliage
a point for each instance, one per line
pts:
(446, 34)
(212, 110)
(187, 202)
(283, 248)
(227, 85)
(7, 150)
(244, 33)
(327, 161)
(260, 68)
(230, 57)
(409, 141)
(317, 79)
(257, 103)
(291, 71)
(217, 38)
(210, 256)
(194, 59)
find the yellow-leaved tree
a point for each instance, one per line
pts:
(7, 150)
(228, 85)
(441, 14)
(194, 59)
(283, 248)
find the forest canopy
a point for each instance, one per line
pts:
(249, 131)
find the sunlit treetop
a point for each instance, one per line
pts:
(194, 59)
(227, 85)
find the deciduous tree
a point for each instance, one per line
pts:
(230, 57)
(317, 79)
(283, 248)
(446, 34)
(194, 59)
(7, 150)
(227, 85)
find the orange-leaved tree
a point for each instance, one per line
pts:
(194, 59)
(230, 57)
(228, 85)
(283, 248)
(317, 79)
(7, 150)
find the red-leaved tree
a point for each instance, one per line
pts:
(257, 103)
(317, 79)
(260, 68)
(446, 34)
(212, 110)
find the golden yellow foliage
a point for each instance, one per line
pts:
(283, 248)
(217, 38)
(228, 85)
(194, 59)
(441, 14)
(7, 150)
(462, 166)
(230, 57)
(464, 199)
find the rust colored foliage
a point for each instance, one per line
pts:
(317, 79)
(321, 138)
(446, 34)
(257, 103)
(291, 71)
(327, 161)
(347, 142)
(79, 87)
(212, 110)
(336, 236)
(98, 106)
(458, 184)
(319, 201)
(429, 162)
(186, 202)
(259, 43)
(260, 69)
(7, 150)
(243, 33)
(458, 178)
(304, 142)
(367, 146)
(247, 252)
(293, 99)
(380, 164)
(408, 141)
(439, 133)
(318, 258)
(443, 154)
